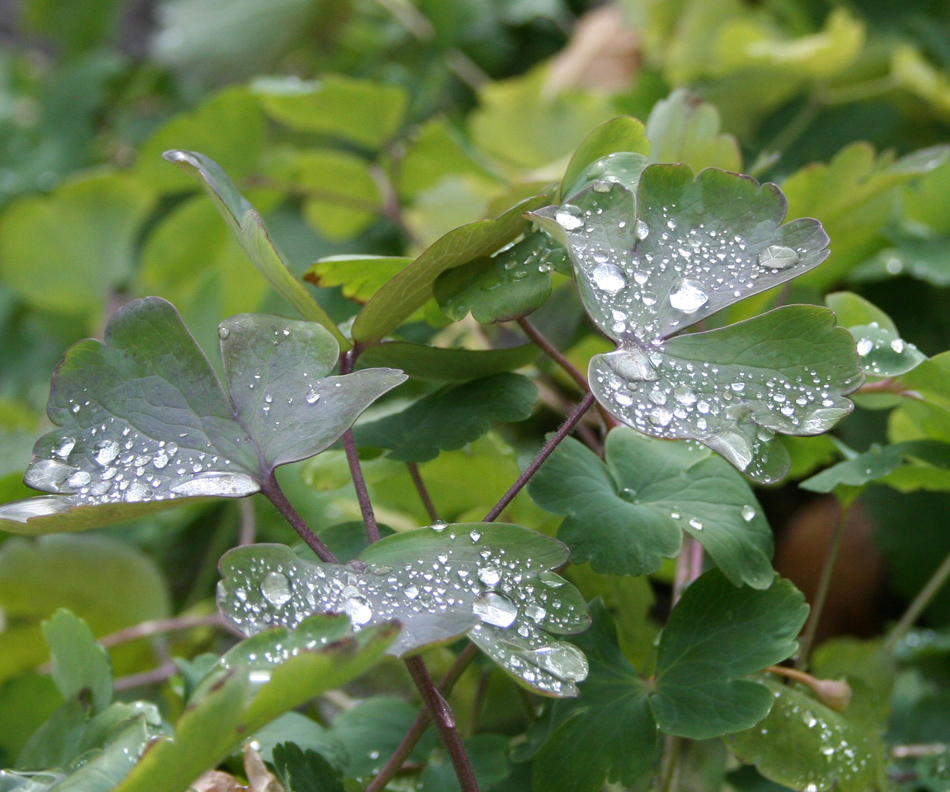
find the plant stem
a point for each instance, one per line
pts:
(555, 354)
(248, 522)
(423, 492)
(543, 454)
(272, 491)
(919, 605)
(421, 723)
(441, 713)
(889, 385)
(670, 764)
(159, 626)
(821, 593)
(152, 677)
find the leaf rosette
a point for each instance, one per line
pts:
(492, 581)
(656, 257)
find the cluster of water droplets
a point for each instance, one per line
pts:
(510, 603)
(883, 353)
(653, 274)
(112, 462)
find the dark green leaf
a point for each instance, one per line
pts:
(629, 513)
(144, 419)
(305, 772)
(447, 365)
(857, 471)
(80, 667)
(250, 231)
(451, 417)
(412, 287)
(492, 581)
(488, 754)
(622, 134)
(716, 635)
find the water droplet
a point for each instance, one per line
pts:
(562, 659)
(747, 512)
(648, 298)
(600, 187)
(633, 364)
(609, 278)
(490, 575)
(438, 526)
(569, 217)
(64, 448)
(642, 229)
(684, 396)
(276, 588)
(411, 592)
(897, 345)
(224, 332)
(535, 612)
(217, 484)
(551, 579)
(356, 606)
(312, 396)
(687, 295)
(865, 345)
(778, 257)
(44, 506)
(695, 523)
(106, 451)
(78, 479)
(48, 474)
(660, 416)
(136, 492)
(495, 609)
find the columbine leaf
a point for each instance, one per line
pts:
(651, 264)
(628, 513)
(916, 464)
(360, 276)
(447, 365)
(808, 746)
(857, 471)
(716, 635)
(258, 680)
(491, 580)
(250, 231)
(733, 388)
(619, 135)
(144, 420)
(507, 286)
(683, 128)
(80, 667)
(451, 417)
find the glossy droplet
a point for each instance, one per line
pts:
(695, 523)
(688, 295)
(65, 447)
(356, 607)
(78, 479)
(495, 609)
(48, 474)
(223, 332)
(569, 217)
(648, 298)
(609, 278)
(747, 512)
(562, 659)
(633, 364)
(489, 575)
(865, 346)
(45, 506)
(642, 229)
(411, 592)
(106, 451)
(214, 484)
(312, 396)
(897, 345)
(276, 588)
(535, 612)
(778, 257)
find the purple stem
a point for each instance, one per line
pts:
(423, 491)
(272, 491)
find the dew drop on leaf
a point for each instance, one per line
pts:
(564, 660)
(642, 229)
(312, 396)
(778, 257)
(865, 345)
(569, 217)
(609, 278)
(106, 451)
(695, 523)
(223, 333)
(211, 484)
(495, 609)
(747, 512)
(64, 448)
(276, 588)
(489, 575)
(688, 295)
(48, 474)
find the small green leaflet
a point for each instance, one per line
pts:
(923, 464)
(626, 514)
(144, 420)
(451, 417)
(716, 635)
(652, 263)
(80, 667)
(492, 581)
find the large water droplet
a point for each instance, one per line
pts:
(642, 229)
(609, 278)
(64, 448)
(356, 606)
(490, 575)
(778, 257)
(688, 295)
(865, 346)
(495, 609)
(106, 451)
(312, 396)
(223, 332)
(217, 484)
(562, 659)
(633, 364)
(49, 475)
(276, 588)
(43, 506)
(569, 217)
(747, 512)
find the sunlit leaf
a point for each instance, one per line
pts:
(622, 134)
(143, 418)
(360, 276)
(80, 667)
(683, 128)
(630, 512)
(492, 581)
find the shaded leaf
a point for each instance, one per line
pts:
(307, 734)
(360, 276)
(489, 580)
(857, 471)
(305, 772)
(683, 128)
(80, 667)
(250, 231)
(488, 754)
(447, 365)
(451, 417)
(630, 512)
(144, 419)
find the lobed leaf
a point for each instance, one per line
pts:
(492, 581)
(447, 365)
(619, 135)
(628, 513)
(144, 420)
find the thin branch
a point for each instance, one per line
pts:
(441, 713)
(272, 491)
(248, 529)
(821, 593)
(684, 568)
(539, 460)
(889, 385)
(835, 693)
(160, 626)
(153, 677)
(421, 723)
(558, 357)
(919, 605)
(423, 491)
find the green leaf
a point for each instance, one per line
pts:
(229, 127)
(733, 388)
(144, 419)
(917, 464)
(39, 577)
(450, 418)
(447, 365)
(628, 513)
(305, 772)
(409, 290)
(808, 746)
(26, 701)
(272, 673)
(80, 667)
(852, 309)
(307, 734)
(488, 754)
(360, 276)
(716, 635)
(609, 732)
(364, 112)
(250, 231)
(683, 128)
(490, 580)
(84, 233)
(858, 471)
(622, 134)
